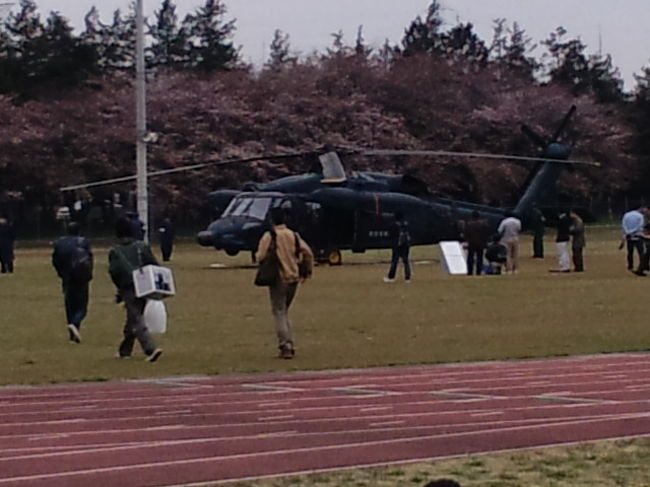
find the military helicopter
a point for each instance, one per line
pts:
(335, 211)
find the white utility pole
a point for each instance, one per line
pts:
(141, 121)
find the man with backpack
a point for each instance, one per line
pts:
(128, 255)
(294, 259)
(401, 248)
(72, 259)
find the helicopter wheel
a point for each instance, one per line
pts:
(231, 252)
(334, 257)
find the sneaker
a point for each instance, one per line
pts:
(155, 355)
(388, 279)
(407, 281)
(75, 336)
(287, 352)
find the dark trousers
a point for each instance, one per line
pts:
(632, 245)
(135, 327)
(166, 249)
(577, 255)
(538, 245)
(475, 257)
(403, 254)
(76, 302)
(6, 266)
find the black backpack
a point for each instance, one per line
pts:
(81, 265)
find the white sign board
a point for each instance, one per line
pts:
(453, 257)
(153, 282)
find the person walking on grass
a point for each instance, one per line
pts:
(128, 255)
(296, 261)
(509, 230)
(72, 259)
(578, 241)
(633, 224)
(7, 242)
(401, 248)
(562, 239)
(477, 235)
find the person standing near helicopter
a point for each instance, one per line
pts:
(295, 259)
(401, 248)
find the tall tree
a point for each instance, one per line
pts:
(209, 36)
(425, 36)
(462, 42)
(170, 42)
(280, 54)
(38, 57)
(361, 49)
(512, 48)
(567, 63)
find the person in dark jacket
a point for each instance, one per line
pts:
(538, 224)
(7, 242)
(137, 226)
(123, 259)
(166, 235)
(401, 248)
(477, 235)
(72, 259)
(578, 241)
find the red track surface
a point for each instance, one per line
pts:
(184, 430)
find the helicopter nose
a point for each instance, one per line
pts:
(205, 238)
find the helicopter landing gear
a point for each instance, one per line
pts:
(231, 252)
(334, 257)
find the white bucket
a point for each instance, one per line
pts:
(155, 316)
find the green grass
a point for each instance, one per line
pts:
(345, 317)
(607, 463)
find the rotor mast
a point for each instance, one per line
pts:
(142, 196)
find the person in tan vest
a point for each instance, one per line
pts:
(296, 265)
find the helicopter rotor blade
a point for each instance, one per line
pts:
(190, 167)
(534, 136)
(563, 123)
(477, 155)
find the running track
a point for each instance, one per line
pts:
(195, 430)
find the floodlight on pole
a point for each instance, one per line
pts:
(141, 122)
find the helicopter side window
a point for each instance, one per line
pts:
(258, 208)
(253, 207)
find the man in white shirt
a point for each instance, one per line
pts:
(509, 230)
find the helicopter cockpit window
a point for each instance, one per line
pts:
(253, 207)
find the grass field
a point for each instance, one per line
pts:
(347, 317)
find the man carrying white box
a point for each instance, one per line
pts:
(123, 259)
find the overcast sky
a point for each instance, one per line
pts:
(620, 27)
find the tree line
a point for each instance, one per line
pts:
(69, 99)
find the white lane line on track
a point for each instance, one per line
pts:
(271, 388)
(274, 404)
(51, 451)
(486, 414)
(566, 397)
(275, 418)
(365, 391)
(458, 394)
(270, 454)
(386, 423)
(375, 409)
(88, 424)
(172, 413)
